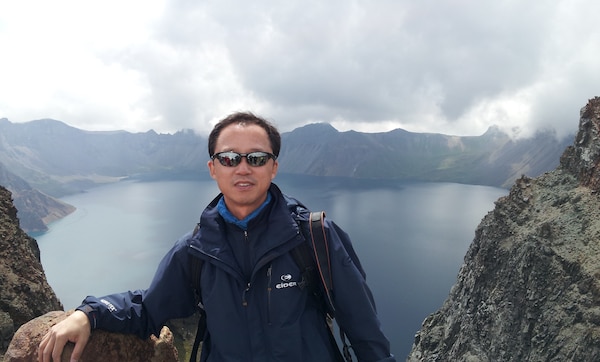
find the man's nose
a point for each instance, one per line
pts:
(243, 166)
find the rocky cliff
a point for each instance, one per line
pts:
(24, 290)
(529, 289)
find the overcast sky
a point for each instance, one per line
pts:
(453, 67)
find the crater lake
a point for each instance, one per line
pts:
(411, 237)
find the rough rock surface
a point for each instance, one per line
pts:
(529, 289)
(24, 290)
(102, 346)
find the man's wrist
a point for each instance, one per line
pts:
(90, 313)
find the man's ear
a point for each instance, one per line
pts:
(211, 168)
(275, 168)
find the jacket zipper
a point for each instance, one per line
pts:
(269, 287)
(248, 285)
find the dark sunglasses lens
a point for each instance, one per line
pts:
(256, 159)
(229, 159)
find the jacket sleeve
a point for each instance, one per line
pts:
(144, 312)
(355, 310)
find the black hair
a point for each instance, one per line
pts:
(245, 118)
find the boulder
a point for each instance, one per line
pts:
(102, 346)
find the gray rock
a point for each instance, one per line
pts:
(529, 289)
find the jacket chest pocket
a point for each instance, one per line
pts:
(286, 300)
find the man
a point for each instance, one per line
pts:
(245, 239)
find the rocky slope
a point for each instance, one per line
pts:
(24, 290)
(529, 289)
(35, 209)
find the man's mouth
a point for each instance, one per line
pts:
(243, 184)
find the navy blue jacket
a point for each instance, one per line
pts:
(254, 308)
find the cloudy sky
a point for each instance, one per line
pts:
(453, 67)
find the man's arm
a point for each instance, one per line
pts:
(355, 309)
(140, 312)
(144, 312)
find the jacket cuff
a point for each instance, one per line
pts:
(90, 313)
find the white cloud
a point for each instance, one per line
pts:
(453, 67)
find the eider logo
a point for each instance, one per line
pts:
(286, 277)
(287, 282)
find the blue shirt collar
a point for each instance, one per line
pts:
(243, 224)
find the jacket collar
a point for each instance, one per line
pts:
(230, 218)
(281, 214)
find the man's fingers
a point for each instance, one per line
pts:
(48, 346)
(42, 348)
(74, 328)
(78, 349)
(57, 349)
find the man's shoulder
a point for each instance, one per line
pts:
(296, 208)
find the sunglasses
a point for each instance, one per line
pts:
(232, 159)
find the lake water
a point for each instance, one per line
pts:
(411, 237)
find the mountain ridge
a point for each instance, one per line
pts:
(58, 159)
(492, 159)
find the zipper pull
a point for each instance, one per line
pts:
(244, 301)
(269, 273)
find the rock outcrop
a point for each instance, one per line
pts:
(102, 346)
(529, 289)
(36, 209)
(24, 290)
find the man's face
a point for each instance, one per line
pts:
(244, 187)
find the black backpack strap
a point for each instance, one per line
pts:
(196, 271)
(320, 248)
(303, 257)
(311, 278)
(200, 331)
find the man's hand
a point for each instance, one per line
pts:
(75, 328)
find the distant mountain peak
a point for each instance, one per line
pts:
(49, 122)
(320, 126)
(314, 132)
(493, 130)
